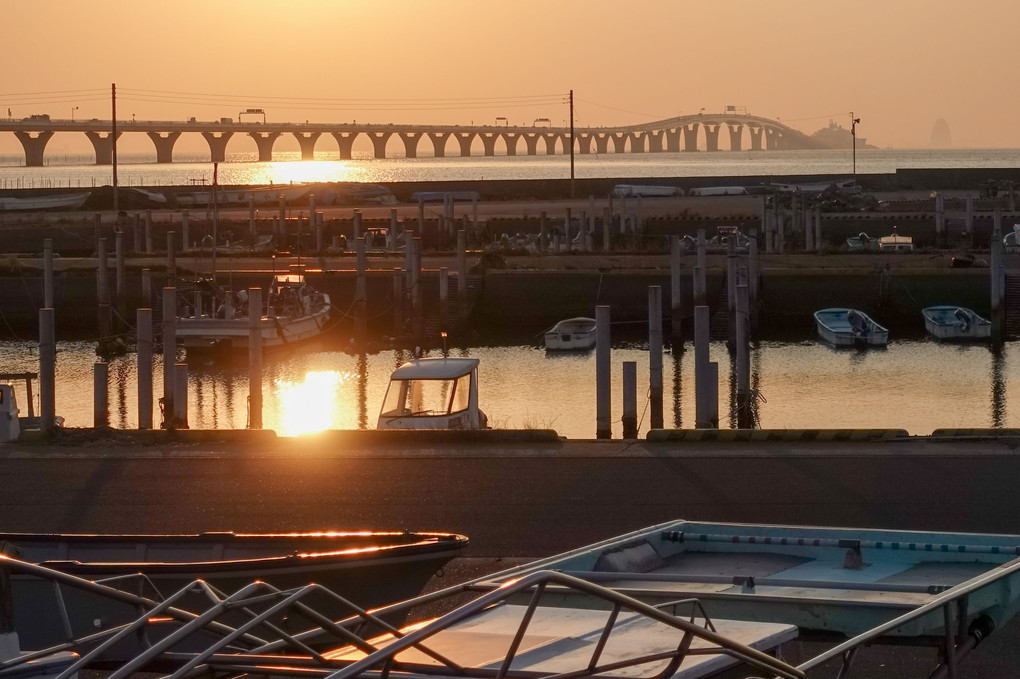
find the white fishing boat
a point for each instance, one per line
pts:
(269, 195)
(433, 393)
(294, 312)
(864, 586)
(955, 323)
(571, 334)
(59, 201)
(850, 327)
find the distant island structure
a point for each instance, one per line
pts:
(940, 136)
(835, 136)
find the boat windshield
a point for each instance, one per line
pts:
(423, 398)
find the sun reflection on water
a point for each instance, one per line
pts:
(311, 405)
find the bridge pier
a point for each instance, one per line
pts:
(102, 143)
(712, 136)
(265, 141)
(654, 141)
(736, 135)
(637, 142)
(489, 142)
(34, 146)
(673, 139)
(410, 140)
(306, 140)
(465, 139)
(602, 143)
(345, 140)
(531, 139)
(550, 142)
(511, 142)
(691, 137)
(755, 131)
(619, 141)
(217, 145)
(772, 139)
(438, 143)
(583, 143)
(164, 143)
(379, 140)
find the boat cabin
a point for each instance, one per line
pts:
(433, 393)
(896, 243)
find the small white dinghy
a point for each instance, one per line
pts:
(955, 323)
(850, 327)
(571, 335)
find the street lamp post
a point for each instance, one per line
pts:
(853, 139)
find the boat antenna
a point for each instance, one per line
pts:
(443, 335)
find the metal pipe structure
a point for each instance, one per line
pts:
(100, 395)
(675, 289)
(702, 378)
(169, 353)
(630, 423)
(48, 273)
(180, 396)
(47, 369)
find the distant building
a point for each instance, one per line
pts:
(940, 136)
(834, 136)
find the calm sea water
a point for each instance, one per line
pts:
(915, 385)
(63, 171)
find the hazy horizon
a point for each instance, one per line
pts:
(898, 66)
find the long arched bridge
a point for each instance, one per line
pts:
(710, 132)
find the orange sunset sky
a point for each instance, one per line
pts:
(898, 64)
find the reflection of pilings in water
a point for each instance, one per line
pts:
(998, 386)
(755, 350)
(121, 387)
(678, 419)
(362, 391)
(733, 400)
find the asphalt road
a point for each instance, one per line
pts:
(521, 500)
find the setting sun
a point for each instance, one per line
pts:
(309, 406)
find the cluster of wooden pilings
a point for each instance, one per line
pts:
(742, 283)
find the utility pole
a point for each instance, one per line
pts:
(113, 137)
(215, 217)
(571, 143)
(853, 138)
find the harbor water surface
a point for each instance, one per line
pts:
(917, 385)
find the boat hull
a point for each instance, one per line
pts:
(71, 201)
(824, 580)
(212, 334)
(943, 323)
(367, 569)
(833, 327)
(575, 334)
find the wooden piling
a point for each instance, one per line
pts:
(143, 326)
(421, 215)
(702, 376)
(146, 289)
(47, 369)
(148, 232)
(603, 379)
(360, 294)
(171, 255)
(136, 232)
(444, 299)
(462, 268)
(47, 273)
(398, 302)
(701, 270)
(745, 415)
(675, 289)
(607, 237)
(121, 276)
(185, 228)
(629, 419)
(103, 291)
(169, 353)
(282, 233)
(997, 282)
(356, 224)
(255, 358)
(655, 355)
(180, 396)
(543, 234)
(417, 311)
(100, 395)
(391, 234)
